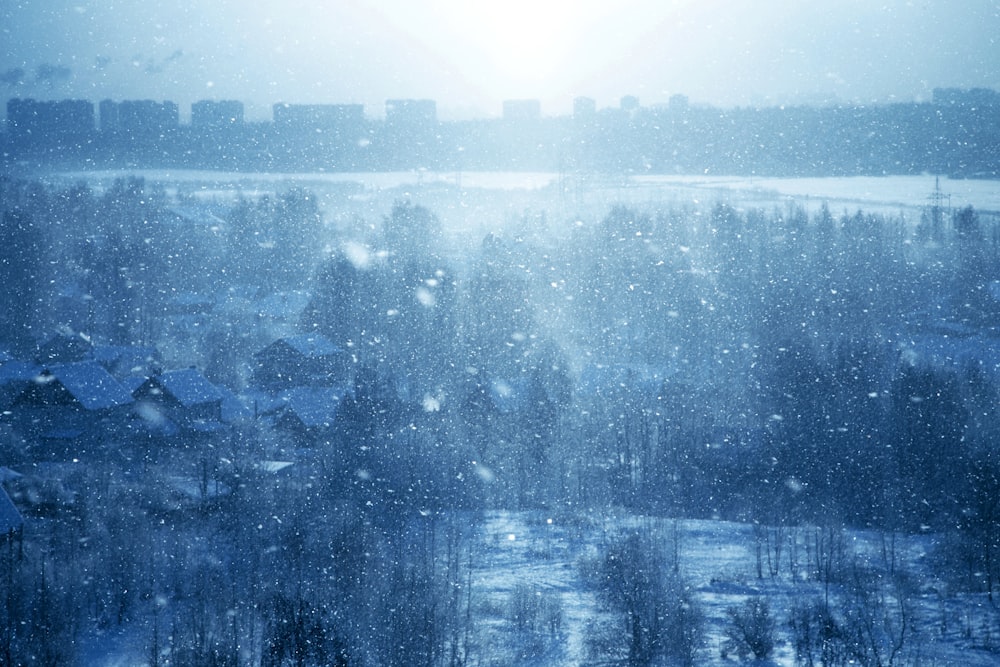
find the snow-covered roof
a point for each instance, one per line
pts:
(90, 384)
(188, 386)
(274, 466)
(233, 407)
(133, 382)
(313, 406)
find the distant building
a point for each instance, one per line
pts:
(139, 118)
(85, 386)
(71, 410)
(522, 110)
(629, 103)
(408, 138)
(584, 107)
(318, 136)
(319, 118)
(15, 377)
(307, 413)
(970, 99)
(127, 361)
(679, 103)
(216, 114)
(411, 114)
(108, 112)
(47, 123)
(63, 348)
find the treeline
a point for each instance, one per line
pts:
(600, 358)
(768, 366)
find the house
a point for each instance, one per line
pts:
(85, 385)
(307, 413)
(184, 396)
(306, 360)
(71, 409)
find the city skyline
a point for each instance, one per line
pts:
(471, 56)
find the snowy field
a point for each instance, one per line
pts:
(543, 554)
(534, 555)
(885, 192)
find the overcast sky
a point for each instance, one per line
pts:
(469, 55)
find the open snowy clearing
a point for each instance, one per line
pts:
(716, 558)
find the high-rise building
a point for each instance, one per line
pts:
(522, 110)
(217, 114)
(49, 122)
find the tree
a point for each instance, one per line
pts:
(979, 522)
(296, 229)
(411, 230)
(22, 262)
(658, 615)
(927, 421)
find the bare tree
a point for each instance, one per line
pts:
(659, 617)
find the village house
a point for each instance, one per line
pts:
(307, 414)
(71, 410)
(184, 396)
(305, 360)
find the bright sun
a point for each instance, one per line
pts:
(522, 39)
(551, 50)
(519, 46)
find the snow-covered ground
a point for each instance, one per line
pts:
(867, 192)
(539, 553)
(879, 193)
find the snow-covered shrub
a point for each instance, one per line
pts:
(750, 629)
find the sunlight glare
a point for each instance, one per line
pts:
(520, 43)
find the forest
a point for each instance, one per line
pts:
(812, 375)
